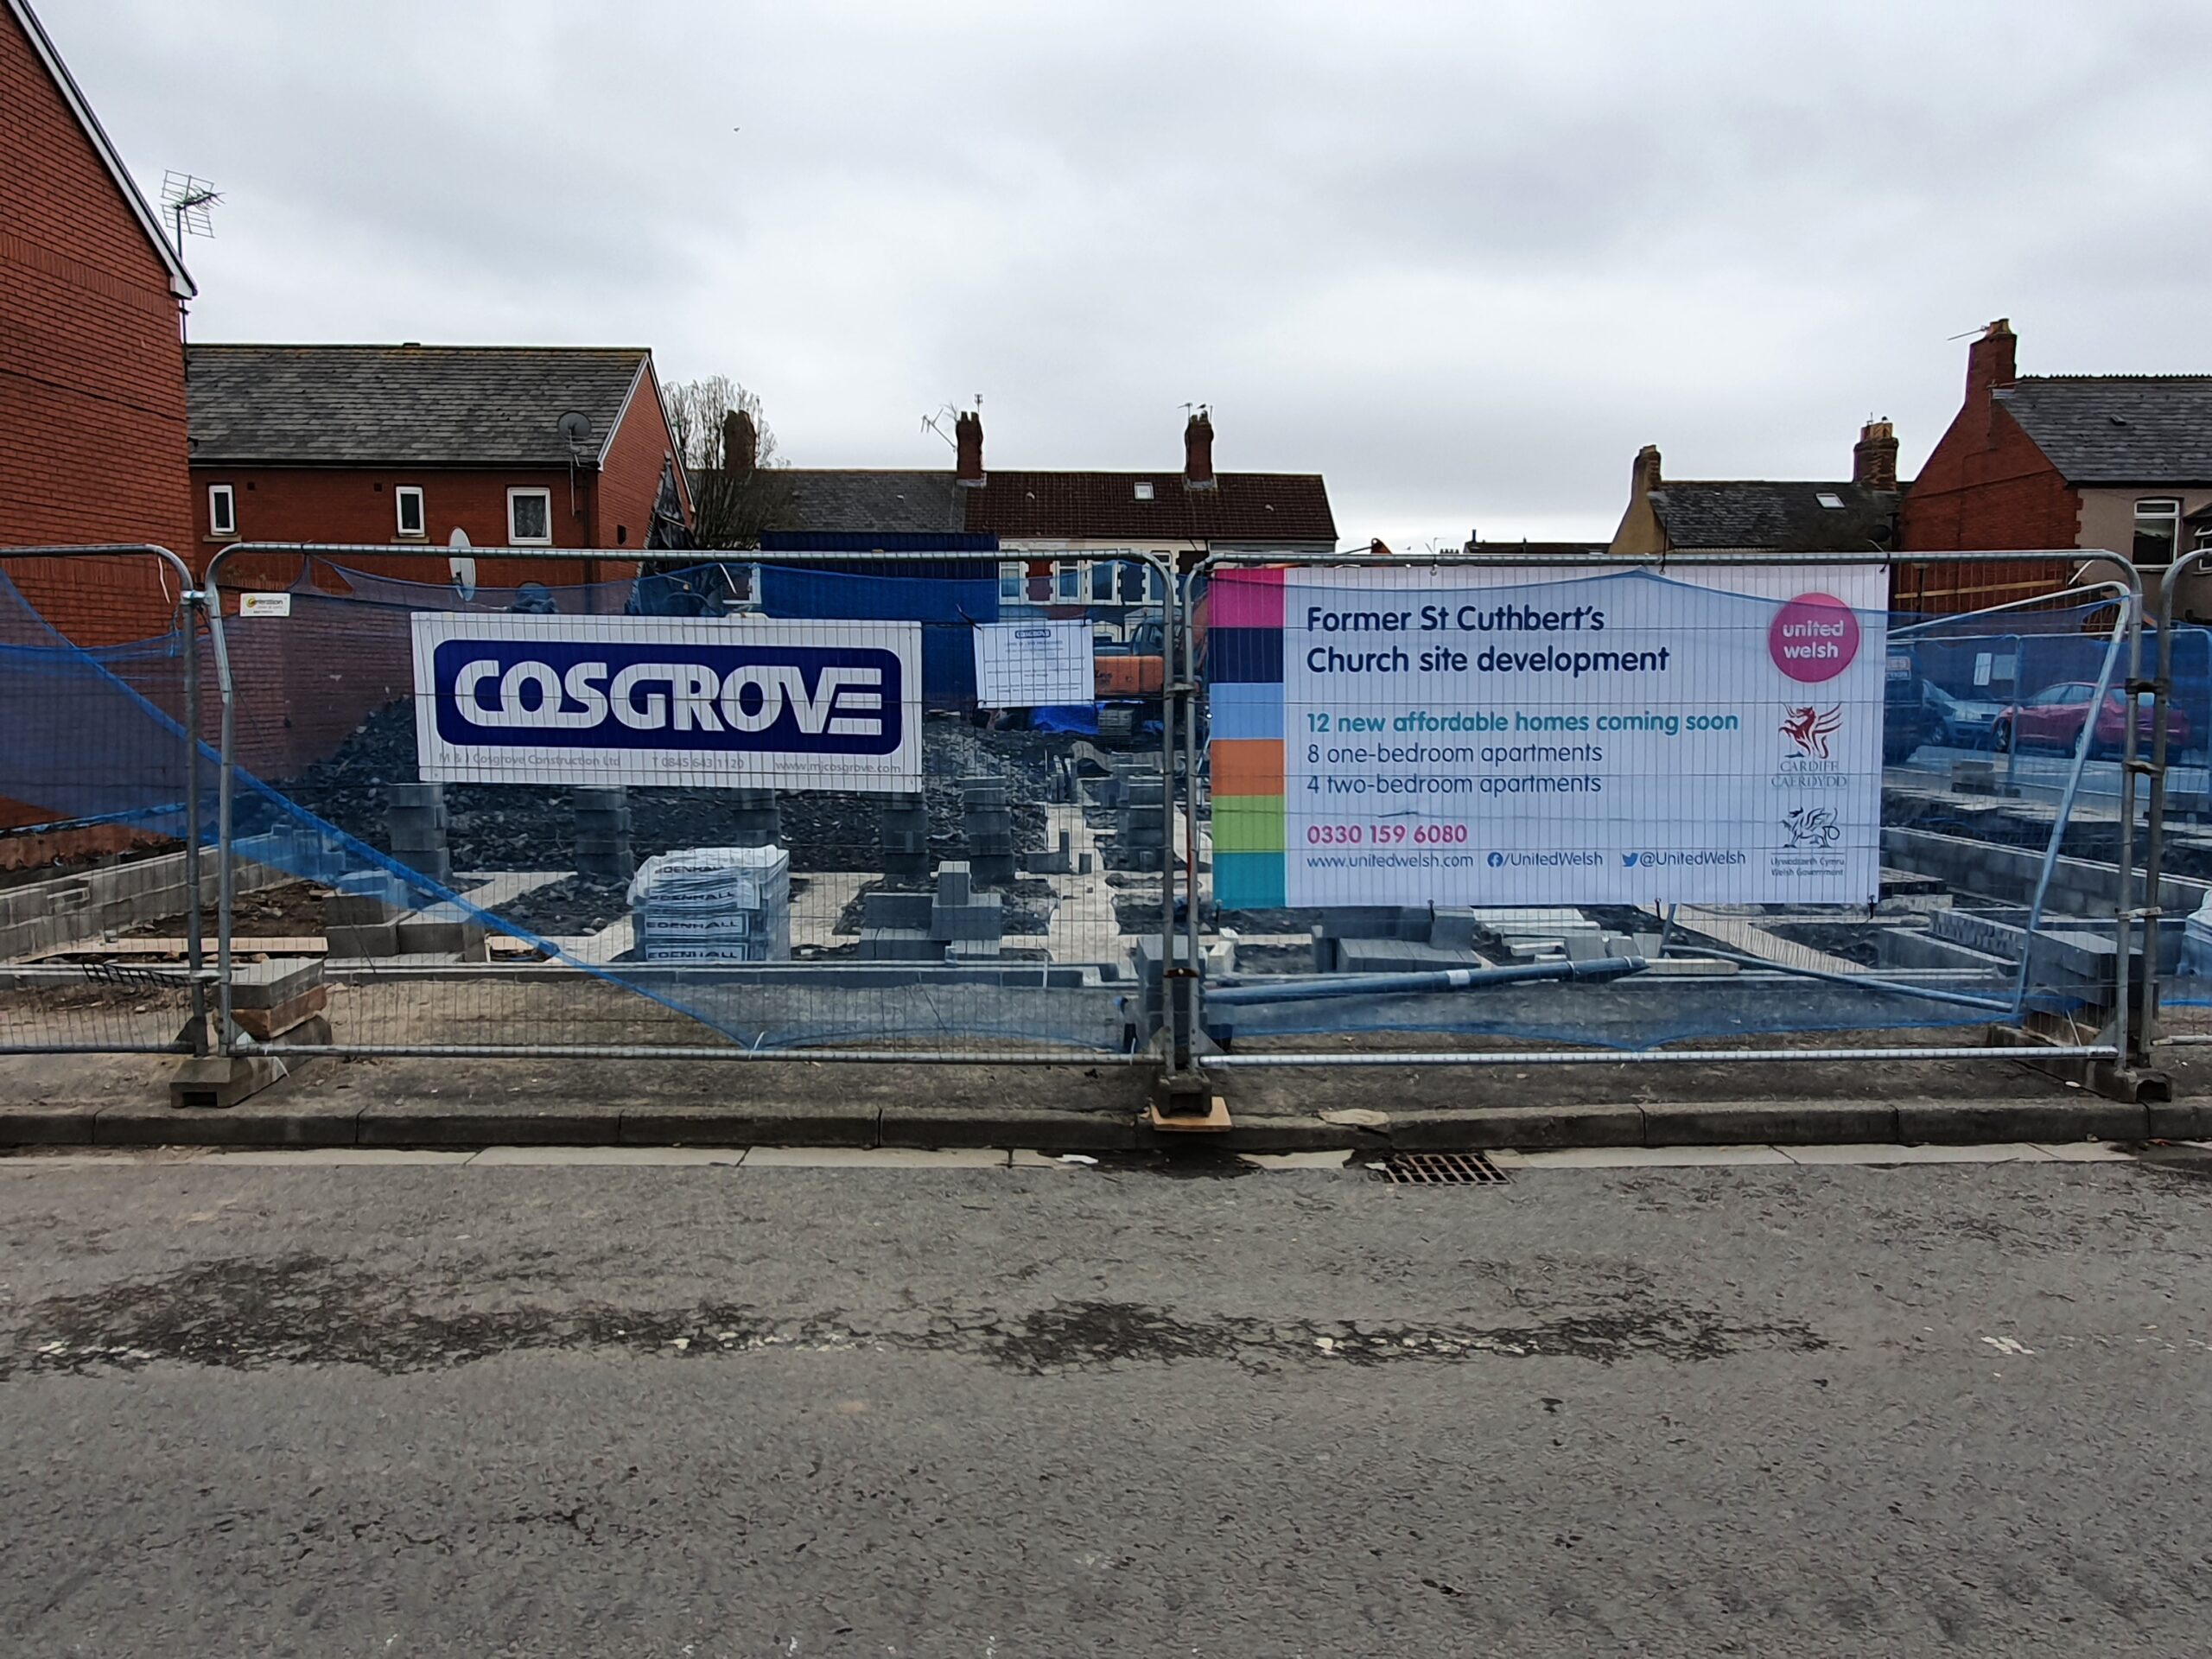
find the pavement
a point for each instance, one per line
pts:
(380, 1403)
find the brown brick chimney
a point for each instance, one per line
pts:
(1874, 457)
(740, 442)
(968, 446)
(1645, 478)
(1197, 451)
(1992, 361)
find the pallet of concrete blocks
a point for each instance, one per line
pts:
(713, 905)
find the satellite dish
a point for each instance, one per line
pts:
(576, 426)
(458, 538)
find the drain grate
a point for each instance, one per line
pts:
(1440, 1169)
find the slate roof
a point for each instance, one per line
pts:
(1255, 507)
(1780, 515)
(887, 501)
(1266, 508)
(426, 405)
(2118, 429)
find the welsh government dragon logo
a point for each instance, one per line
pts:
(1812, 826)
(1809, 728)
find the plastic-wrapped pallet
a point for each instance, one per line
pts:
(714, 904)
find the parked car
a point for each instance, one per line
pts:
(1906, 721)
(2053, 719)
(1964, 722)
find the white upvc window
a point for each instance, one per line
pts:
(1013, 577)
(222, 510)
(530, 517)
(407, 503)
(2158, 531)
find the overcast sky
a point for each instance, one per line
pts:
(1461, 258)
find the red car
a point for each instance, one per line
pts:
(2053, 717)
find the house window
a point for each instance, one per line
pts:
(2158, 531)
(222, 511)
(1011, 577)
(408, 501)
(530, 517)
(1068, 587)
(1102, 582)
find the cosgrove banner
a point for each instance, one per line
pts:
(1467, 736)
(613, 700)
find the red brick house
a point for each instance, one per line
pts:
(401, 446)
(91, 365)
(2117, 462)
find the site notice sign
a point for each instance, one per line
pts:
(602, 701)
(1040, 664)
(1470, 736)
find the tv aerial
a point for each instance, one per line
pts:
(188, 201)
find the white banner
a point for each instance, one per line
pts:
(1040, 664)
(601, 701)
(1470, 737)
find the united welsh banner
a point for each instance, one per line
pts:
(1466, 736)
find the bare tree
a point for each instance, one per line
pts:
(739, 486)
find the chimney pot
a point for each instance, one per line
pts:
(967, 446)
(1197, 452)
(1874, 457)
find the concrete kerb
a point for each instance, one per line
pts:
(296, 1118)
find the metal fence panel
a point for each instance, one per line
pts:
(532, 817)
(101, 887)
(1571, 810)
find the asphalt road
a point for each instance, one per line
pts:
(700, 1412)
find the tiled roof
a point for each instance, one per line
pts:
(1786, 516)
(887, 501)
(432, 405)
(2118, 429)
(1264, 508)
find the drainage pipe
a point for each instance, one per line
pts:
(1448, 979)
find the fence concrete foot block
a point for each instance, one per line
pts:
(1978, 1123)
(1816, 1122)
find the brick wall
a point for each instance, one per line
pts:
(1985, 486)
(92, 370)
(630, 479)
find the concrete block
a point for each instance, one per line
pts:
(898, 945)
(960, 952)
(1451, 928)
(272, 982)
(284, 1018)
(433, 932)
(600, 800)
(380, 939)
(896, 909)
(954, 880)
(981, 917)
(414, 796)
(1397, 957)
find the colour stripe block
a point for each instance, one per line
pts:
(1245, 767)
(1239, 711)
(1247, 655)
(1248, 881)
(1245, 599)
(1248, 824)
